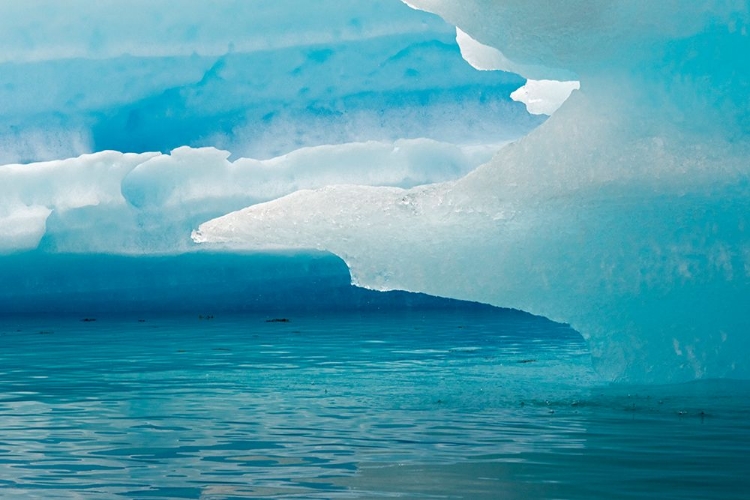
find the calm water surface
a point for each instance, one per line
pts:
(409, 405)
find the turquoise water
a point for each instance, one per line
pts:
(410, 404)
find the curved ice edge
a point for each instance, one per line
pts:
(438, 240)
(206, 282)
(127, 203)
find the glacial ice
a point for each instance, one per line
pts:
(238, 76)
(366, 93)
(149, 202)
(625, 214)
(355, 128)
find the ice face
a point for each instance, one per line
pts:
(625, 214)
(257, 79)
(270, 99)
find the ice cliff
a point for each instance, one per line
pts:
(356, 128)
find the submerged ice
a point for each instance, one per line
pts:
(356, 129)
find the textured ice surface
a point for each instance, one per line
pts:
(149, 202)
(258, 79)
(366, 93)
(625, 214)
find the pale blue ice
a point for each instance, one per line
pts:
(359, 130)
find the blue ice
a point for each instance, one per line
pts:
(361, 131)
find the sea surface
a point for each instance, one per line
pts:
(477, 404)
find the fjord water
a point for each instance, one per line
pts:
(358, 395)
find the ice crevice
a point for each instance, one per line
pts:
(625, 214)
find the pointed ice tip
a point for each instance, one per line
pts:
(544, 97)
(197, 236)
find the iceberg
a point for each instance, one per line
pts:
(257, 80)
(257, 249)
(211, 109)
(138, 203)
(624, 214)
(410, 139)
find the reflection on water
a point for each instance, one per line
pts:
(434, 405)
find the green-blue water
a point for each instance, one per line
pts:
(409, 404)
